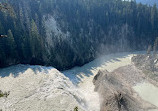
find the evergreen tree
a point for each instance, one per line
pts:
(11, 45)
(155, 46)
(34, 40)
(36, 44)
(154, 17)
(82, 29)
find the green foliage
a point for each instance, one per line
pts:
(34, 38)
(11, 45)
(6, 8)
(1, 95)
(155, 46)
(4, 94)
(76, 108)
(93, 27)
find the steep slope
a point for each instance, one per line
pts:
(67, 33)
(148, 63)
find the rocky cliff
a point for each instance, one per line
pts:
(116, 92)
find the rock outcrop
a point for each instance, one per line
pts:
(115, 90)
(148, 64)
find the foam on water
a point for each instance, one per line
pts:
(83, 76)
(45, 88)
(38, 88)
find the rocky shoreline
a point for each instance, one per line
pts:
(116, 88)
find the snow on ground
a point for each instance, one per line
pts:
(38, 88)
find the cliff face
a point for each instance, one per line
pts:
(148, 64)
(115, 90)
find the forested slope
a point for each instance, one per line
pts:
(66, 33)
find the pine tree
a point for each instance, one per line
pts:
(153, 17)
(11, 45)
(1, 29)
(155, 46)
(35, 40)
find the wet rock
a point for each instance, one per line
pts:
(116, 94)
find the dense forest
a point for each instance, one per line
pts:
(67, 33)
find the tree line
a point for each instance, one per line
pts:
(95, 27)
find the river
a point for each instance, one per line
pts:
(81, 77)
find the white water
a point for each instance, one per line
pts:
(148, 92)
(83, 76)
(39, 88)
